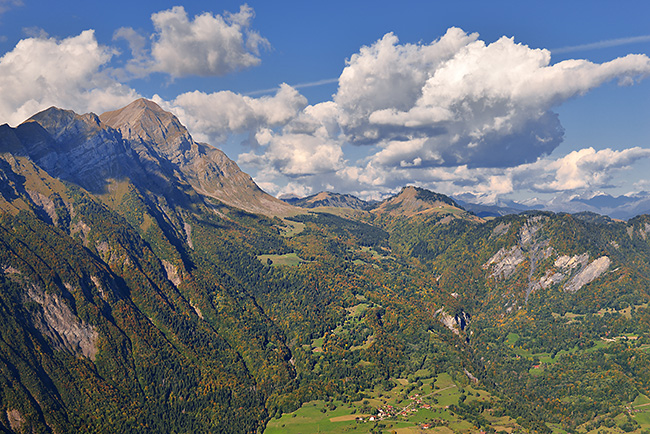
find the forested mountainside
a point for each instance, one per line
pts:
(148, 285)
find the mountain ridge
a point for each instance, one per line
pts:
(329, 199)
(93, 151)
(415, 201)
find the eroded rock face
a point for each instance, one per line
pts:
(588, 274)
(60, 326)
(504, 263)
(571, 262)
(75, 147)
(16, 420)
(575, 271)
(46, 204)
(500, 229)
(645, 231)
(455, 323)
(571, 272)
(172, 272)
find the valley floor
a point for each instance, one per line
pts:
(429, 404)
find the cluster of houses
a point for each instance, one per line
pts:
(388, 411)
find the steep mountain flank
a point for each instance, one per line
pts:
(207, 169)
(106, 309)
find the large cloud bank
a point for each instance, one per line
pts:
(77, 72)
(42, 72)
(458, 101)
(456, 114)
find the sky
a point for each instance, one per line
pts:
(491, 101)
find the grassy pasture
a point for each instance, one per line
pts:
(289, 260)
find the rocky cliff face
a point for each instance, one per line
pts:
(570, 272)
(77, 148)
(144, 122)
(207, 169)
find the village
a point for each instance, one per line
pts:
(388, 411)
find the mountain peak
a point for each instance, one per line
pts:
(144, 120)
(152, 130)
(61, 123)
(134, 110)
(417, 193)
(413, 201)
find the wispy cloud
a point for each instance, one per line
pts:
(295, 86)
(5, 5)
(603, 44)
(315, 83)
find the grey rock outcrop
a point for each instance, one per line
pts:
(62, 328)
(571, 272)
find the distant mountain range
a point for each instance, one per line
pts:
(620, 207)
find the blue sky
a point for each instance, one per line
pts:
(362, 97)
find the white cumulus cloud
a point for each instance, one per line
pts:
(306, 146)
(587, 168)
(69, 73)
(389, 76)
(455, 114)
(212, 117)
(464, 101)
(459, 114)
(208, 45)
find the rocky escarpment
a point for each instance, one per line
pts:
(55, 320)
(207, 169)
(528, 247)
(65, 331)
(77, 148)
(569, 273)
(456, 323)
